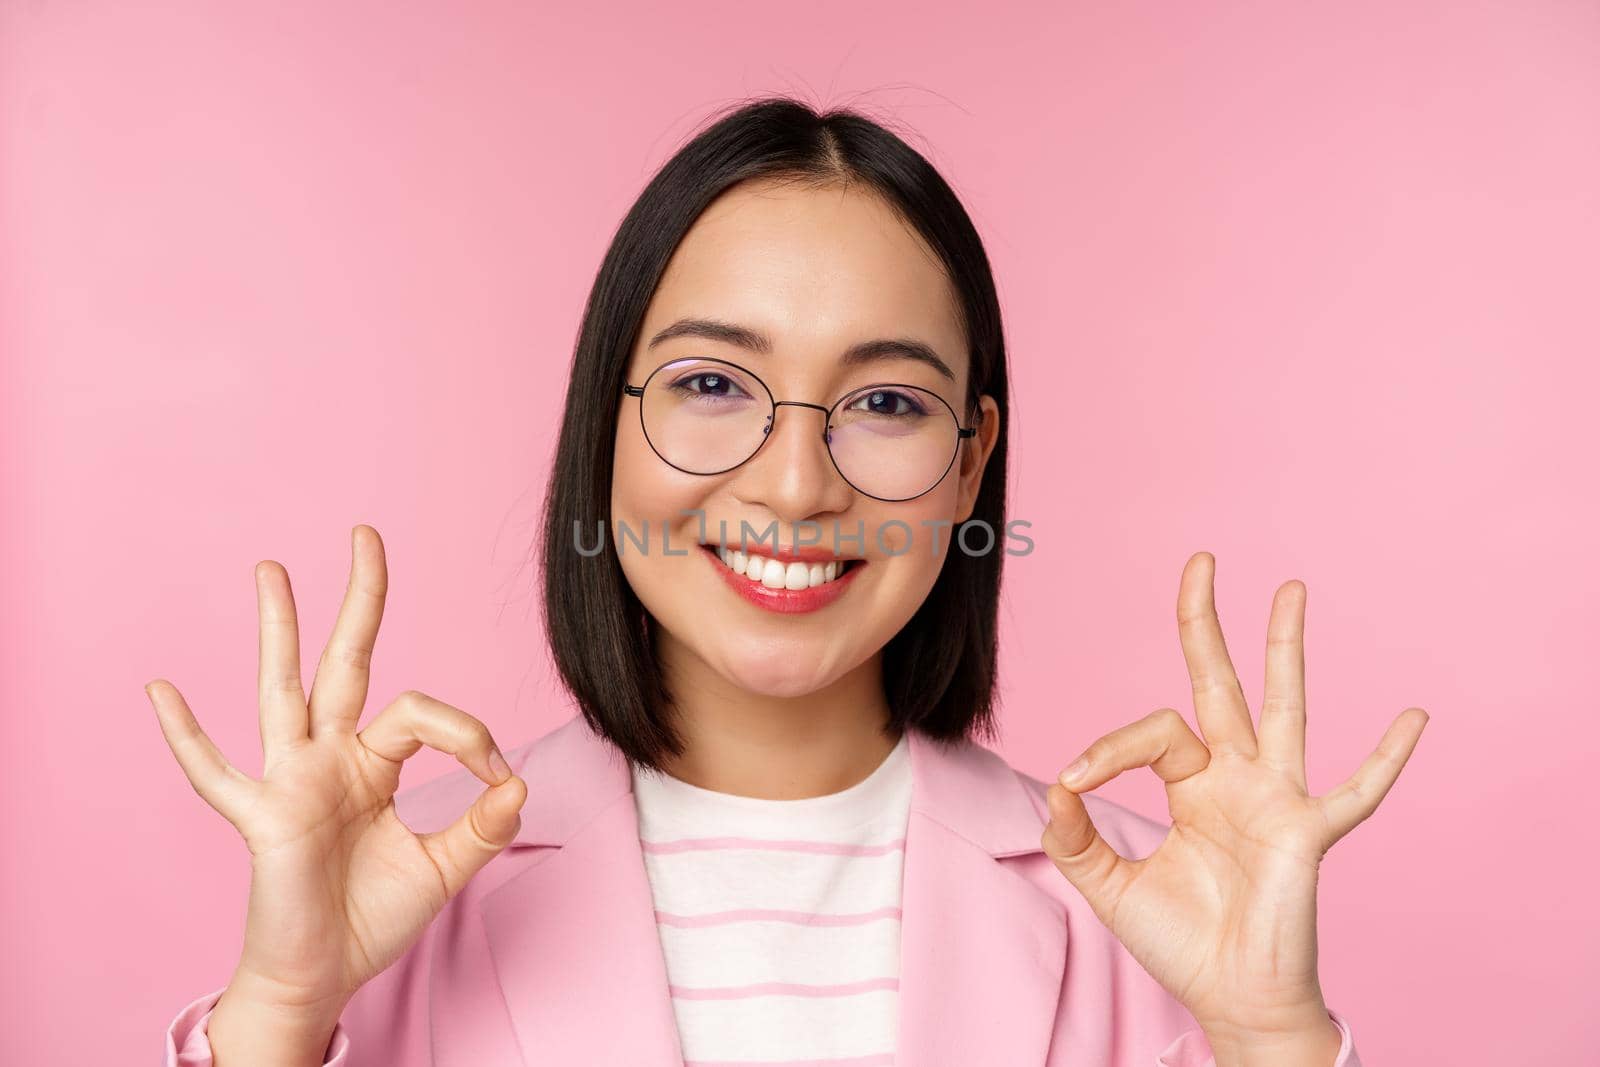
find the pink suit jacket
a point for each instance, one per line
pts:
(550, 956)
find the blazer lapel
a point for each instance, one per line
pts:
(573, 937)
(578, 957)
(982, 950)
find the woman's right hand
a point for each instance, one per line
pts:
(340, 887)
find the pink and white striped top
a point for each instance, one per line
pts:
(780, 919)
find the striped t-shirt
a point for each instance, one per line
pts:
(780, 919)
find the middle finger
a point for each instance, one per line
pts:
(1283, 699)
(282, 700)
(1219, 702)
(345, 670)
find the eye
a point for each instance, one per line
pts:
(708, 383)
(888, 402)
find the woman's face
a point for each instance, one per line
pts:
(813, 272)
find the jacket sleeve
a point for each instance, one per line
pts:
(384, 1024)
(188, 1044)
(1191, 1049)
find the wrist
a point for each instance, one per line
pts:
(249, 1025)
(290, 1002)
(1314, 1044)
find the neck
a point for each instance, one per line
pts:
(775, 747)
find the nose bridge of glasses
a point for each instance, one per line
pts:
(776, 404)
(823, 431)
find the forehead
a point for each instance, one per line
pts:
(817, 269)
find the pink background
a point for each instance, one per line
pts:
(1311, 289)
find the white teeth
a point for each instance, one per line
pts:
(778, 575)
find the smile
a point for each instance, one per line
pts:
(807, 583)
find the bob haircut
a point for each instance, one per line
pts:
(939, 669)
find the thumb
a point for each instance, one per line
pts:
(1082, 855)
(481, 833)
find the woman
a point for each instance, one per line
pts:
(771, 559)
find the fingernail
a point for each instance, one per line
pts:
(1076, 771)
(497, 764)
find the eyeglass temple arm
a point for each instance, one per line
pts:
(633, 390)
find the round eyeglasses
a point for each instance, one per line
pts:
(890, 442)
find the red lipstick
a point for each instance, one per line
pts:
(793, 554)
(786, 601)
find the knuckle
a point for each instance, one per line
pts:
(1075, 855)
(1206, 681)
(1100, 862)
(1101, 752)
(463, 730)
(284, 683)
(1282, 703)
(346, 655)
(474, 732)
(1356, 790)
(1167, 718)
(475, 831)
(1065, 846)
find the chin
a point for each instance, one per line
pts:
(780, 672)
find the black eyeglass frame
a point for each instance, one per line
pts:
(962, 432)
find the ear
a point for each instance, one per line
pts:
(974, 456)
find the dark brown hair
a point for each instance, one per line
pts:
(939, 669)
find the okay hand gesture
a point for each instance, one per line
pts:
(339, 887)
(1223, 913)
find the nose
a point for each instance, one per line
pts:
(792, 473)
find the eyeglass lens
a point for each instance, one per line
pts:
(892, 442)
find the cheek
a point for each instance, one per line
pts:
(916, 538)
(931, 519)
(643, 488)
(647, 496)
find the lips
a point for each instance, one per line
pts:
(796, 553)
(800, 579)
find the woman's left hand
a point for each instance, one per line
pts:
(1224, 913)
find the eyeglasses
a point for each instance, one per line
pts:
(707, 416)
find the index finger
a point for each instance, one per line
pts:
(1161, 741)
(1219, 702)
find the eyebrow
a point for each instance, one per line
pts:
(755, 341)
